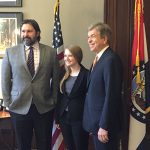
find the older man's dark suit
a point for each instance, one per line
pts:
(103, 98)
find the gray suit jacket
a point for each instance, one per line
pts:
(19, 89)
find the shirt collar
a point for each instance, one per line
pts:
(101, 52)
(35, 46)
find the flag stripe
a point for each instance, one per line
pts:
(60, 56)
(61, 146)
(55, 135)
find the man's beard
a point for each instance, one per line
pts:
(28, 41)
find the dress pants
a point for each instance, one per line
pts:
(41, 124)
(75, 137)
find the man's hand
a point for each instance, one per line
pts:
(57, 126)
(103, 135)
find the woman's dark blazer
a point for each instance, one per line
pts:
(75, 100)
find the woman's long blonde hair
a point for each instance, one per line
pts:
(76, 51)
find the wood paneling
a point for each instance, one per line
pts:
(119, 15)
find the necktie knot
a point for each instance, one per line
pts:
(30, 61)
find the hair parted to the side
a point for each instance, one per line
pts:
(103, 29)
(34, 24)
(76, 51)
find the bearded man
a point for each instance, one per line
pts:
(29, 85)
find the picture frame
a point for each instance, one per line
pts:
(1, 97)
(10, 3)
(9, 30)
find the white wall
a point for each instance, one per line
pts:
(75, 15)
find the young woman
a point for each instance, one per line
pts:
(71, 100)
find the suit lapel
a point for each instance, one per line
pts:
(89, 78)
(101, 59)
(91, 72)
(23, 57)
(76, 84)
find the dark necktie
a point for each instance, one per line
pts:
(30, 61)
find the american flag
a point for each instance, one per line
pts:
(57, 35)
(57, 138)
